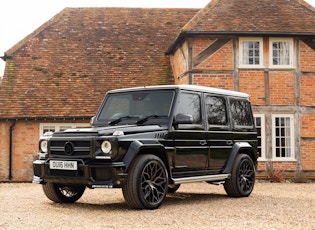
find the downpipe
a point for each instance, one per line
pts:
(11, 149)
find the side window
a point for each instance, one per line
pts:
(241, 112)
(216, 110)
(190, 104)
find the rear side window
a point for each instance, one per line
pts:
(216, 110)
(241, 112)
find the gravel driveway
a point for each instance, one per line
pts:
(193, 206)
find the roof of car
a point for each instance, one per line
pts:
(195, 88)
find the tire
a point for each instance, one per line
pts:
(63, 193)
(146, 184)
(242, 180)
(173, 188)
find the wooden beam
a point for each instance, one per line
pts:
(211, 49)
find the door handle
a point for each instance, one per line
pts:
(229, 142)
(203, 142)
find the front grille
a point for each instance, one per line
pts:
(77, 148)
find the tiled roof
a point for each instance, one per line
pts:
(275, 16)
(64, 68)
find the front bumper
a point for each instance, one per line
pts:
(90, 173)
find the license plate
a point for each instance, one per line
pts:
(63, 165)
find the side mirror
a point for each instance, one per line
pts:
(183, 119)
(92, 121)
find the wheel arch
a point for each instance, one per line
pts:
(137, 148)
(238, 148)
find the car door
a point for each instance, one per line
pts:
(191, 152)
(219, 136)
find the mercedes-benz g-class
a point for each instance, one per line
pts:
(149, 140)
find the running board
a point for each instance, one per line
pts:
(218, 177)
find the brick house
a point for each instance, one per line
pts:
(57, 76)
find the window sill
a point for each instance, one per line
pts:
(258, 67)
(277, 160)
(281, 68)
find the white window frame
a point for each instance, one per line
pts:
(292, 138)
(241, 49)
(262, 136)
(271, 41)
(60, 126)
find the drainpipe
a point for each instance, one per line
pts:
(11, 149)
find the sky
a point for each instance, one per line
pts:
(20, 18)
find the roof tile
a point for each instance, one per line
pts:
(290, 16)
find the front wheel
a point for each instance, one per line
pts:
(242, 180)
(63, 193)
(146, 184)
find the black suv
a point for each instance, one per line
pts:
(149, 140)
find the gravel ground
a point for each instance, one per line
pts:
(193, 206)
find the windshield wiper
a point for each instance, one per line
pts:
(142, 120)
(116, 121)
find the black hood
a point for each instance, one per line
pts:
(109, 130)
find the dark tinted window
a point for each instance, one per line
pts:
(190, 104)
(216, 110)
(241, 112)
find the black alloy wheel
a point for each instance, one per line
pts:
(147, 183)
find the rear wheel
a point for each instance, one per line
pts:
(146, 184)
(242, 180)
(63, 193)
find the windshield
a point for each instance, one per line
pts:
(136, 107)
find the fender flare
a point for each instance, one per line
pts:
(136, 146)
(236, 149)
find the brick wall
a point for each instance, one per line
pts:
(282, 165)
(281, 85)
(253, 82)
(220, 60)
(307, 57)
(223, 81)
(308, 154)
(25, 145)
(308, 126)
(179, 62)
(307, 90)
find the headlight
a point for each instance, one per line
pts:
(106, 147)
(43, 146)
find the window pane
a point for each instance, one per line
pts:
(190, 104)
(251, 52)
(216, 110)
(241, 113)
(259, 135)
(48, 129)
(281, 53)
(283, 139)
